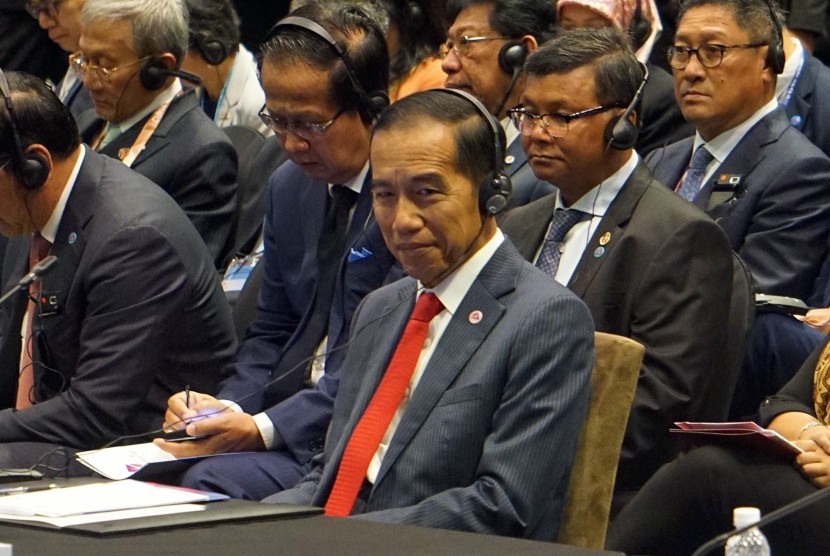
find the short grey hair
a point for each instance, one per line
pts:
(158, 25)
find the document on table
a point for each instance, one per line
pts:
(99, 517)
(100, 497)
(121, 462)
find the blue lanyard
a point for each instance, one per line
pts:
(788, 94)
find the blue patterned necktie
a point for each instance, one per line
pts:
(694, 175)
(563, 220)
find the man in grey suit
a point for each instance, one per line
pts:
(481, 435)
(131, 312)
(487, 43)
(649, 265)
(130, 54)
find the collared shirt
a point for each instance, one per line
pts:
(318, 365)
(595, 203)
(510, 131)
(115, 129)
(721, 146)
(451, 292)
(50, 229)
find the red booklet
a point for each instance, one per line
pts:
(744, 434)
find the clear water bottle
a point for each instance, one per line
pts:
(751, 542)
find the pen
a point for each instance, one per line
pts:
(24, 489)
(187, 396)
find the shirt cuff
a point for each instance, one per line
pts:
(266, 429)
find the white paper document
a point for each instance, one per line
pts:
(100, 517)
(99, 497)
(121, 462)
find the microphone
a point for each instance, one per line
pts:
(38, 271)
(783, 511)
(186, 75)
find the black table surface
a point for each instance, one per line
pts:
(310, 536)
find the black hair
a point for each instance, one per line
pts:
(213, 20)
(355, 32)
(753, 15)
(420, 31)
(39, 118)
(513, 18)
(617, 73)
(475, 148)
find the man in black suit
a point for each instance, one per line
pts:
(130, 313)
(487, 43)
(129, 57)
(648, 265)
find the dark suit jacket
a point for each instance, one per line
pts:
(780, 221)
(141, 315)
(192, 160)
(487, 440)
(526, 186)
(295, 212)
(77, 99)
(809, 108)
(663, 279)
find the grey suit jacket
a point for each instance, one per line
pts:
(663, 278)
(778, 220)
(487, 441)
(192, 160)
(139, 315)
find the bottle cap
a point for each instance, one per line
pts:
(741, 517)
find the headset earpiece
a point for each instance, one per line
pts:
(153, 74)
(213, 51)
(495, 193)
(621, 133)
(775, 51)
(512, 56)
(415, 15)
(640, 28)
(31, 168)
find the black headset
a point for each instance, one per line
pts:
(31, 169)
(154, 73)
(621, 133)
(775, 51)
(372, 103)
(212, 50)
(512, 56)
(640, 28)
(495, 192)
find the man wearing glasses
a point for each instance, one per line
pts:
(323, 253)
(129, 57)
(648, 265)
(487, 43)
(763, 182)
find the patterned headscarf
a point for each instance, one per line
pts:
(620, 13)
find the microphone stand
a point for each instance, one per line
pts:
(33, 275)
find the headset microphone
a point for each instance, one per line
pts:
(154, 74)
(621, 133)
(37, 272)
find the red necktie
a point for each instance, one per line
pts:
(25, 382)
(369, 431)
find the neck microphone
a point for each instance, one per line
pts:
(33, 275)
(186, 75)
(781, 512)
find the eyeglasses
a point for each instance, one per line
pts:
(709, 55)
(36, 7)
(306, 130)
(81, 66)
(555, 125)
(461, 45)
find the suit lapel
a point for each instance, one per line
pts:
(746, 156)
(457, 345)
(527, 226)
(610, 231)
(800, 105)
(514, 157)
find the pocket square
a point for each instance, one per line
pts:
(358, 255)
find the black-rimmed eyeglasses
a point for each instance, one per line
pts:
(555, 124)
(709, 55)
